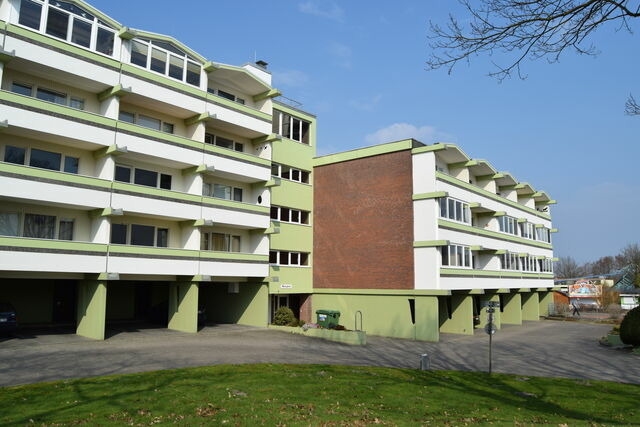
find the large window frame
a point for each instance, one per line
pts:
(67, 164)
(213, 189)
(508, 225)
(454, 255)
(290, 215)
(509, 261)
(543, 234)
(289, 258)
(527, 231)
(290, 174)
(171, 57)
(57, 232)
(291, 127)
(454, 210)
(160, 235)
(144, 120)
(163, 180)
(36, 91)
(222, 142)
(100, 37)
(226, 242)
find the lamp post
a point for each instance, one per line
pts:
(490, 328)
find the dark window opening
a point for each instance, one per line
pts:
(412, 310)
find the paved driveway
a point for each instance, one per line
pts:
(545, 348)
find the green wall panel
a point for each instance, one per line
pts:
(530, 306)
(293, 237)
(292, 194)
(293, 153)
(545, 298)
(183, 306)
(248, 307)
(92, 305)
(300, 278)
(460, 319)
(511, 309)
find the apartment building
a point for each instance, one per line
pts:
(420, 238)
(141, 181)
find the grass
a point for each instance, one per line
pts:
(319, 395)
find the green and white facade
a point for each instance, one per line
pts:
(136, 176)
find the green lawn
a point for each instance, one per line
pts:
(314, 394)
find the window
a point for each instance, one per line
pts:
(543, 234)
(76, 103)
(22, 89)
(51, 96)
(456, 256)
(139, 235)
(9, 224)
(455, 210)
(212, 139)
(527, 230)
(65, 229)
(509, 261)
(289, 173)
(143, 177)
(45, 159)
(145, 121)
(289, 215)
(290, 127)
(220, 242)
(227, 95)
(30, 12)
(165, 58)
(221, 191)
(528, 263)
(15, 155)
(545, 265)
(71, 164)
(39, 226)
(507, 224)
(66, 21)
(289, 258)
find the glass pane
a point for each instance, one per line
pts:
(274, 213)
(76, 103)
(238, 147)
(176, 66)
(304, 217)
(104, 41)
(65, 229)
(57, 23)
(9, 224)
(14, 154)
(226, 95)
(45, 159)
(209, 138)
(119, 234)
(237, 194)
(304, 177)
(304, 259)
(21, 89)
(148, 122)
(30, 12)
(284, 214)
(235, 243)
(284, 258)
(125, 116)
(275, 122)
(158, 61)
(145, 177)
(165, 181)
(295, 132)
(39, 226)
(467, 257)
(224, 142)
(51, 96)
(285, 172)
(222, 191)
(275, 170)
(167, 127)
(71, 164)
(204, 242)
(295, 175)
(81, 33)
(458, 211)
(451, 211)
(193, 73)
(295, 216)
(139, 53)
(142, 235)
(73, 9)
(239, 100)
(206, 189)
(123, 174)
(465, 212)
(273, 257)
(286, 125)
(443, 207)
(219, 242)
(459, 255)
(305, 132)
(295, 258)
(162, 240)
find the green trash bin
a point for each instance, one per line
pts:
(328, 318)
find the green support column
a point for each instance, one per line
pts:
(530, 306)
(460, 320)
(427, 327)
(183, 306)
(511, 309)
(484, 316)
(91, 308)
(545, 298)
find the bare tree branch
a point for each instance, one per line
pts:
(521, 29)
(631, 107)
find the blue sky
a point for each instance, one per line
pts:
(360, 67)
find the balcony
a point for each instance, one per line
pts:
(233, 264)
(234, 213)
(459, 278)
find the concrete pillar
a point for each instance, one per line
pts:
(545, 299)
(427, 319)
(511, 309)
(100, 229)
(110, 107)
(91, 309)
(460, 320)
(484, 316)
(251, 305)
(106, 167)
(183, 306)
(530, 306)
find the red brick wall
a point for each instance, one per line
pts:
(305, 309)
(363, 223)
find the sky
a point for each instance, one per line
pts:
(359, 66)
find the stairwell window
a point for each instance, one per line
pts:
(289, 258)
(287, 172)
(290, 127)
(456, 256)
(455, 210)
(294, 216)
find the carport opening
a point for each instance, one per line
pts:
(137, 305)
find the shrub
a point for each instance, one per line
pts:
(283, 317)
(630, 327)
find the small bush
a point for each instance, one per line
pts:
(283, 317)
(630, 327)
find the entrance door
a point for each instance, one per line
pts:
(278, 301)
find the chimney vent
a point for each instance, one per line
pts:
(262, 64)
